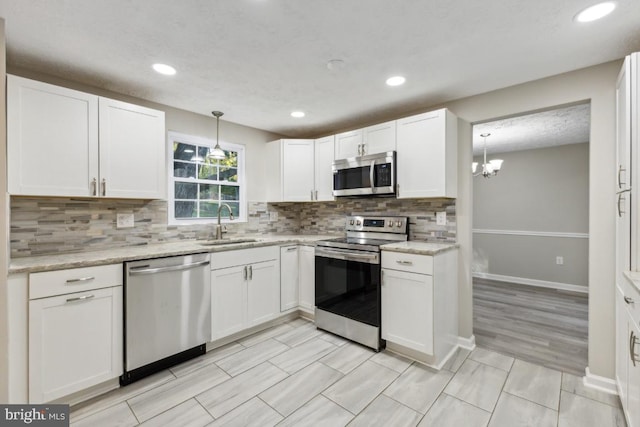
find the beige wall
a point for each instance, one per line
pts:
(544, 190)
(596, 84)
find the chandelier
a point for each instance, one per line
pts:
(488, 169)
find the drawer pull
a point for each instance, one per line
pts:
(629, 300)
(292, 249)
(404, 262)
(81, 279)
(632, 350)
(86, 297)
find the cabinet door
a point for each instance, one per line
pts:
(349, 144)
(263, 285)
(132, 151)
(633, 397)
(75, 342)
(288, 277)
(427, 155)
(307, 278)
(228, 301)
(380, 138)
(52, 139)
(297, 170)
(407, 309)
(622, 346)
(324, 156)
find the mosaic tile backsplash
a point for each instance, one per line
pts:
(42, 226)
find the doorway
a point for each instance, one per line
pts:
(530, 236)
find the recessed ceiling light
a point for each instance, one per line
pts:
(395, 81)
(297, 114)
(595, 12)
(165, 69)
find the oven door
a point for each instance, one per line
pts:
(348, 284)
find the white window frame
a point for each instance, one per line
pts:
(201, 141)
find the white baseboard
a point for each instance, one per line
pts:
(467, 343)
(604, 384)
(533, 282)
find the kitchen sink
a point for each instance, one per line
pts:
(227, 242)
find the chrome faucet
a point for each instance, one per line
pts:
(219, 227)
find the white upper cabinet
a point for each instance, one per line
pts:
(324, 155)
(63, 142)
(291, 175)
(370, 140)
(427, 155)
(52, 135)
(132, 151)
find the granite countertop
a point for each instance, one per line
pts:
(35, 264)
(419, 248)
(634, 278)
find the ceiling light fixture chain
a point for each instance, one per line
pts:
(217, 153)
(490, 168)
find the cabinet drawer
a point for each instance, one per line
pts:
(244, 256)
(60, 282)
(632, 295)
(412, 263)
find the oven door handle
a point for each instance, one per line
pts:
(357, 256)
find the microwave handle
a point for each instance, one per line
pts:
(371, 170)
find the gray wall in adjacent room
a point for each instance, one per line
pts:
(537, 191)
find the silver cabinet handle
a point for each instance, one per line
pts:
(83, 298)
(250, 272)
(135, 271)
(628, 300)
(316, 194)
(244, 273)
(80, 279)
(620, 200)
(404, 262)
(363, 151)
(311, 194)
(104, 186)
(632, 344)
(94, 187)
(359, 153)
(620, 171)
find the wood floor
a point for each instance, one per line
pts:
(543, 326)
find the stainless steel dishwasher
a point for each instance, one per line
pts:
(167, 313)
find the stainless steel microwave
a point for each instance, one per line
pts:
(373, 174)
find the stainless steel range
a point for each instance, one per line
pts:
(347, 278)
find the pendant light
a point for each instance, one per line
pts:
(488, 169)
(217, 153)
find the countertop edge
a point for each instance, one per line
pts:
(44, 263)
(421, 251)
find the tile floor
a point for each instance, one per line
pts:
(296, 375)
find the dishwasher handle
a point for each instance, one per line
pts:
(138, 271)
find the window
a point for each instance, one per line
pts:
(198, 184)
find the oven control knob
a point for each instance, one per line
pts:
(351, 222)
(389, 223)
(399, 224)
(358, 222)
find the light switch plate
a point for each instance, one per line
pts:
(441, 218)
(273, 216)
(124, 220)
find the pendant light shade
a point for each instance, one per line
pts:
(217, 153)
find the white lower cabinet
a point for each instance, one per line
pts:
(75, 331)
(307, 278)
(419, 304)
(628, 350)
(288, 277)
(245, 289)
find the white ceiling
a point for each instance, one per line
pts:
(561, 126)
(257, 60)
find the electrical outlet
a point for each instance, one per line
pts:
(124, 220)
(559, 260)
(441, 218)
(273, 216)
